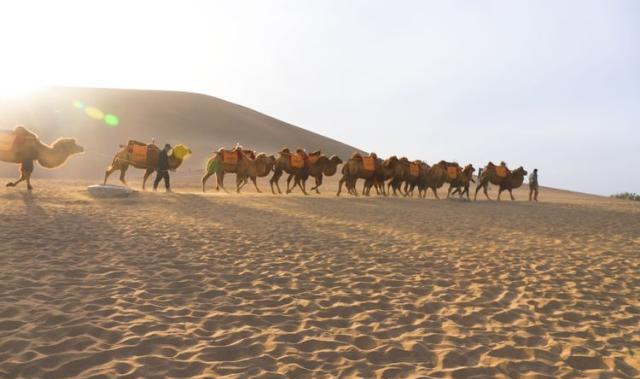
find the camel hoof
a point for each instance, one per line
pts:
(11, 184)
(29, 188)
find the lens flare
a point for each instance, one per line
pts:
(94, 112)
(111, 120)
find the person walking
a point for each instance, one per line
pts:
(163, 169)
(533, 185)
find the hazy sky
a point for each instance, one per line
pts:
(547, 84)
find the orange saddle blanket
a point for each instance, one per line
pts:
(230, 157)
(452, 171)
(297, 161)
(501, 171)
(414, 169)
(369, 163)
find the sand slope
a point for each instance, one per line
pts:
(202, 122)
(200, 286)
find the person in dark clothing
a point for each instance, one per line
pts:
(533, 185)
(163, 169)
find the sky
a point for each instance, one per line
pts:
(553, 85)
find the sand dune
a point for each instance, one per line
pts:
(202, 122)
(227, 286)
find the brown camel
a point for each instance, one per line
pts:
(23, 147)
(400, 175)
(433, 178)
(248, 166)
(418, 179)
(124, 158)
(384, 170)
(283, 164)
(317, 168)
(353, 170)
(510, 181)
(461, 182)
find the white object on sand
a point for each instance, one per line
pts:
(99, 190)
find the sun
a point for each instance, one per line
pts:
(11, 87)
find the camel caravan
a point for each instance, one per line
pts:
(392, 176)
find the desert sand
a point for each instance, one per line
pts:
(218, 285)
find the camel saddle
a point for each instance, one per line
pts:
(414, 169)
(296, 161)
(140, 153)
(368, 163)
(452, 172)
(313, 157)
(230, 157)
(502, 171)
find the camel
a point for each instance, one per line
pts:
(123, 159)
(24, 147)
(433, 177)
(400, 175)
(353, 170)
(282, 165)
(512, 180)
(461, 182)
(384, 170)
(248, 166)
(413, 181)
(323, 166)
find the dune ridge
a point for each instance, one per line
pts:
(204, 123)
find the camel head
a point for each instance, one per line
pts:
(519, 171)
(268, 160)
(469, 169)
(68, 146)
(390, 162)
(331, 165)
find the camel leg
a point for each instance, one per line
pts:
(302, 184)
(511, 194)
(146, 176)
(475, 197)
(435, 192)
(318, 183)
(499, 193)
(123, 172)
(289, 188)
(449, 191)
(340, 183)
(108, 173)
(274, 180)
(220, 180)
(255, 183)
(238, 183)
(20, 179)
(205, 178)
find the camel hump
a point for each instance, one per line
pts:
(356, 156)
(286, 150)
(316, 153)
